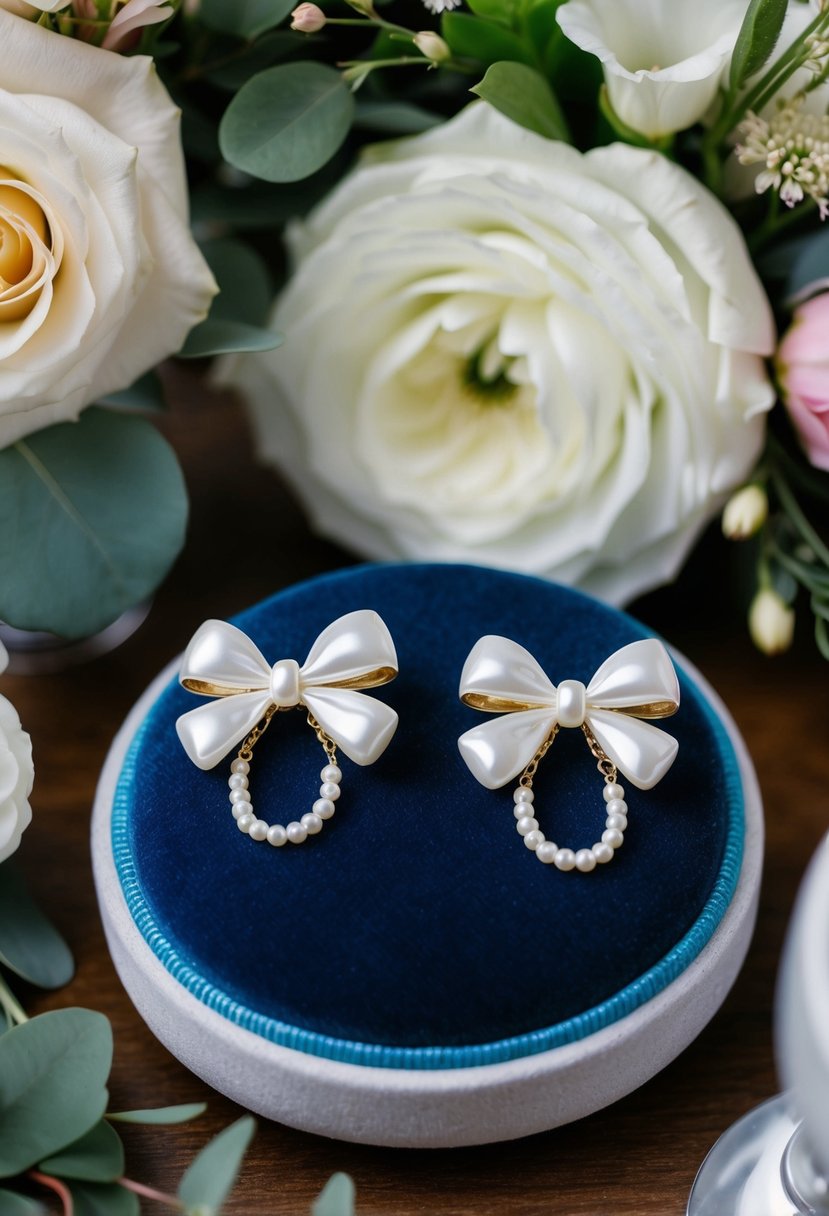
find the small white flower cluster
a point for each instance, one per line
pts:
(794, 147)
(441, 6)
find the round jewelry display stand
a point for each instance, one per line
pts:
(412, 976)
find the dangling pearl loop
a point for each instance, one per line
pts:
(548, 853)
(298, 831)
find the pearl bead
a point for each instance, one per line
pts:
(239, 796)
(312, 823)
(613, 791)
(238, 781)
(617, 806)
(276, 835)
(613, 837)
(546, 852)
(240, 766)
(241, 808)
(258, 830)
(533, 839)
(585, 861)
(523, 794)
(565, 859)
(244, 822)
(296, 832)
(526, 824)
(324, 808)
(617, 821)
(333, 773)
(602, 852)
(330, 790)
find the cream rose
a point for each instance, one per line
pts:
(16, 774)
(498, 349)
(99, 275)
(662, 63)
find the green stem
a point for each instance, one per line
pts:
(149, 1192)
(10, 1003)
(768, 85)
(777, 221)
(793, 510)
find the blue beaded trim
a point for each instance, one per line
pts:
(647, 986)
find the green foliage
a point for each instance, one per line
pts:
(96, 514)
(236, 321)
(18, 1205)
(285, 123)
(336, 1197)
(147, 393)
(244, 18)
(103, 1199)
(523, 95)
(272, 48)
(96, 1157)
(210, 1177)
(485, 41)
(161, 1114)
(756, 40)
(394, 117)
(53, 1073)
(29, 944)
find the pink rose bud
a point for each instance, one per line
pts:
(803, 371)
(308, 18)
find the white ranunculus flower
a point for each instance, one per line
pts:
(662, 62)
(99, 275)
(498, 349)
(16, 774)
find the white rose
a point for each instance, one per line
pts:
(662, 63)
(16, 774)
(99, 275)
(498, 349)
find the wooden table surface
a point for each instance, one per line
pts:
(638, 1157)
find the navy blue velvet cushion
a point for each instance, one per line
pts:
(417, 918)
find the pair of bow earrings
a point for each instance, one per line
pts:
(356, 652)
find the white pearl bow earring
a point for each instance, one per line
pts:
(637, 681)
(354, 652)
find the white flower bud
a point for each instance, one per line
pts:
(745, 512)
(770, 622)
(364, 7)
(308, 19)
(432, 46)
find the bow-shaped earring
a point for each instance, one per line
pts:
(354, 652)
(638, 681)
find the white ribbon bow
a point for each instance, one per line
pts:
(637, 681)
(355, 651)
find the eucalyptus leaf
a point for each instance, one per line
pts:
(395, 117)
(500, 11)
(258, 204)
(210, 1177)
(96, 512)
(336, 1197)
(103, 1199)
(224, 337)
(53, 1072)
(12, 1204)
(263, 53)
(244, 18)
(245, 288)
(160, 1114)
(96, 1157)
(822, 636)
(147, 393)
(30, 945)
(285, 123)
(756, 40)
(472, 38)
(523, 95)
